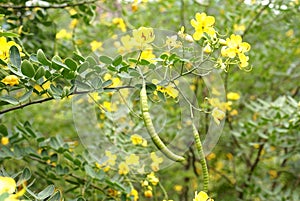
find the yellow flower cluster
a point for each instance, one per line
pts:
(10, 80)
(8, 185)
(235, 47)
(169, 90)
(108, 163)
(5, 46)
(63, 34)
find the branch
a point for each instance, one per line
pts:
(64, 5)
(51, 98)
(255, 18)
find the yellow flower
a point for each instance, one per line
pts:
(134, 194)
(11, 80)
(95, 45)
(211, 156)
(5, 46)
(218, 115)
(120, 23)
(203, 24)
(243, 60)
(185, 36)
(172, 42)
(132, 160)
(235, 46)
(136, 139)
(143, 35)
(152, 179)
(155, 161)
(202, 196)
(123, 168)
(148, 194)
(63, 34)
(8, 185)
(178, 188)
(234, 112)
(239, 28)
(73, 23)
(148, 55)
(109, 107)
(273, 174)
(4, 140)
(111, 158)
(233, 96)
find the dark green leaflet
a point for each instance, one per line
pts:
(202, 158)
(151, 130)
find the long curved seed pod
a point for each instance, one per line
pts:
(202, 159)
(151, 130)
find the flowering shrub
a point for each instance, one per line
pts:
(125, 100)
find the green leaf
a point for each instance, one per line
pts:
(42, 58)
(90, 171)
(118, 60)
(9, 99)
(91, 60)
(57, 196)
(3, 196)
(144, 62)
(27, 69)
(46, 192)
(58, 64)
(78, 57)
(105, 59)
(26, 96)
(107, 83)
(39, 73)
(14, 56)
(71, 64)
(26, 175)
(9, 34)
(3, 130)
(83, 67)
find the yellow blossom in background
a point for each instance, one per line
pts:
(229, 156)
(120, 23)
(10, 80)
(134, 194)
(202, 196)
(95, 45)
(211, 156)
(143, 35)
(178, 188)
(4, 141)
(94, 97)
(273, 174)
(215, 102)
(111, 158)
(148, 194)
(152, 179)
(168, 90)
(5, 46)
(239, 28)
(290, 33)
(234, 112)
(233, 96)
(8, 185)
(63, 34)
(109, 107)
(132, 160)
(218, 115)
(155, 161)
(123, 168)
(73, 23)
(44, 86)
(203, 24)
(138, 140)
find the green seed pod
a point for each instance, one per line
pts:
(151, 130)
